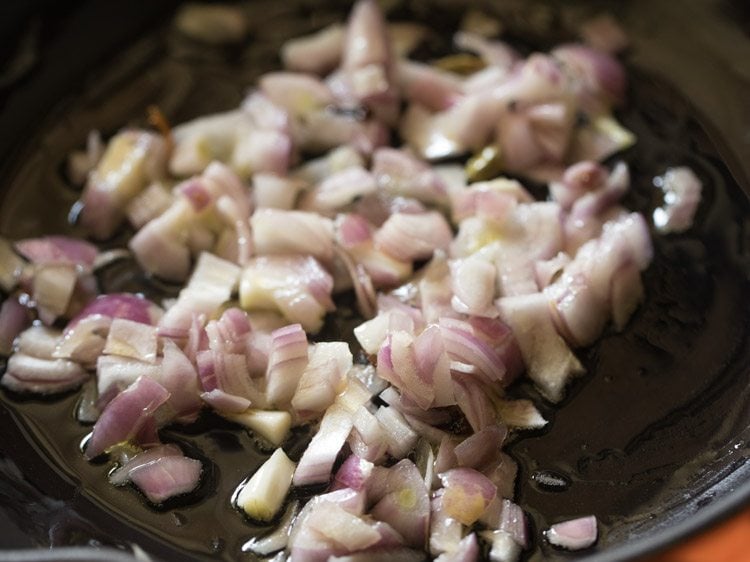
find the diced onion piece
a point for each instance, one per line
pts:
(682, 194)
(262, 495)
(405, 505)
(317, 53)
(574, 534)
(286, 363)
(467, 494)
(296, 286)
(58, 250)
(148, 204)
(521, 414)
(323, 378)
(401, 437)
(272, 425)
(466, 551)
(131, 160)
(549, 361)
(211, 284)
(408, 237)
(292, 232)
(503, 547)
(126, 416)
(317, 461)
(131, 339)
(43, 376)
(53, 287)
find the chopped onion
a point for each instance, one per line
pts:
(42, 376)
(287, 361)
(272, 425)
(121, 475)
(682, 195)
(125, 418)
(467, 494)
(316, 53)
(57, 250)
(262, 495)
(405, 505)
(167, 477)
(408, 237)
(127, 338)
(574, 534)
(317, 461)
(292, 232)
(466, 551)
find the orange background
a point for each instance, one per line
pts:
(730, 542)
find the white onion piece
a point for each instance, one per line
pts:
(504, 548)
(121, 475)
(429, 86)
(574, 534)
(445, 531)
(466, 551)
(466, 494)
(368, 439)
(129, 416)
(179, 377)
(520, 414)
(549, 361)
(287, 361)
(212, 282)
(292, 232)
(275, 192)
(131, 339)
(317, 461)
(132, 159)
(225, 402)
(262, 495)
(481, 448)
(317, 53)
(401, 437)
(53, 287)
(57, 250)
(148, 204)
(42, 376)
(296, 286)
(38, 341)
(682, 195)
(297, 93)
(405, 504)
(338, 190)
(473, 283)
(345, 529)
(323, 377)
(271, 425)
(400, 173)
(408, 237)
(167, 477)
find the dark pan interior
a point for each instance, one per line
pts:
(654, 440)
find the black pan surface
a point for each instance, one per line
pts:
(654, 440)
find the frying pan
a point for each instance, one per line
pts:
(654, 440)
